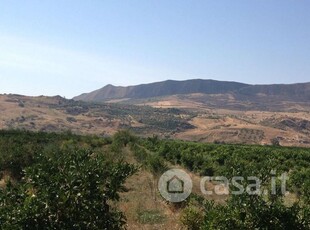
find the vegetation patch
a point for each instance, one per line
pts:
(150, 217)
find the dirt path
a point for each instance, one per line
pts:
(142, 204)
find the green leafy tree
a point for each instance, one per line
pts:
(123, 137)
(69, 189)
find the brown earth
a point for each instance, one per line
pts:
(143, 205)
(181, 117)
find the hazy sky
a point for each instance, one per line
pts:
(68, 47)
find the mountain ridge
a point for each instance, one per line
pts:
(242, 91)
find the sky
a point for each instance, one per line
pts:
(69, 47)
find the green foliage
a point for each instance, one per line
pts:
(193, 217)
(64, 186)
(17, 148)
(150, 217)
(65, 181)
(235, 160)
(243, 211)
(156, 164)
(151, 161)
(139, 152)
(253, 212)
(121, 139)
(300, 180)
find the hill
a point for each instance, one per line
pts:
(176, 117)
(240, 91)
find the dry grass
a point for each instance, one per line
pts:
(142, 204)
(36, 114)
(146, 209)
(244, 127)
(212, 124)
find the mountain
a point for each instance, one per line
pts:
(163, 88)
(289, 92)
(299, 92)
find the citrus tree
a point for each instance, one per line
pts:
(65, 189)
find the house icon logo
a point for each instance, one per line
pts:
(175, 185)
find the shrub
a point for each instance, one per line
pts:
(192, 217)
(69, 189)
(150, 217)
(123, 137)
